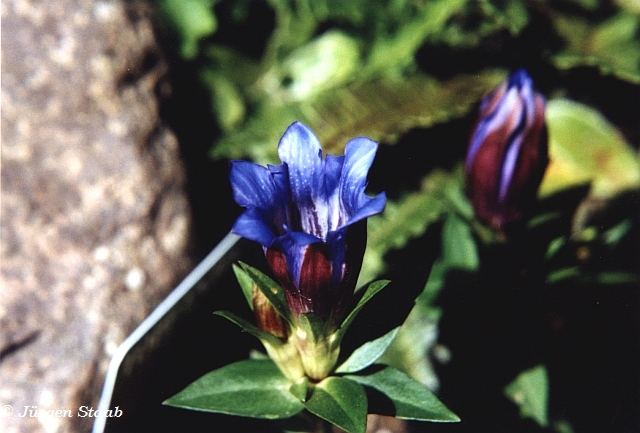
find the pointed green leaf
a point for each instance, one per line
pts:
(554, 247)
(249, 328)
(300, 389)
(271, 290)
(459, 249)
(371, 291)
(312, 325)
(368, 353)
(341, 402)
(530, 391)
(563, 274)
(410, 351)
(615, 234)
(411, 399)
(246, 284)
(252, 388)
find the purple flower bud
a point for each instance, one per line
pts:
(267, 317)
(507, 154)
(309, 213)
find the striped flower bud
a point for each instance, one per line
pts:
(507, 154)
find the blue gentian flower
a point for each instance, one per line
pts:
(507, 154)
(309, 213)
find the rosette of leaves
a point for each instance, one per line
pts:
(357, 386)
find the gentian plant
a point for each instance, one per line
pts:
(309, 214)
(507, 155)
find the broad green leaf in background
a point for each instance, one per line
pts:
(341, 402)
(530, 391)
(368, 353)
(613, 46)
(584, 147)
(328, 61)
(192, 19)
(380, 109)
(252, 388)
(410, 399)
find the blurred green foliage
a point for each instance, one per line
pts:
(530, 391)
(386, 68)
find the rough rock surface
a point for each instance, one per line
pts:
(95, 221)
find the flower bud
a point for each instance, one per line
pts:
(507, 154)
(284, 354)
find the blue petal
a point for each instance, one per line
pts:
(294, 245)
(252, 185)
(332, 173)
(301, 151)
(372, 207)
(359, 155)
(252, 225)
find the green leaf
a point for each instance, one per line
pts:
(226, 100)
(617, 277)
(313, 326)
(479, 20)
(250, 328)
(530, 391)
(563, 274)
(300, 389)
(193, 20)
(612, 46)
(401, 221)
(410, 350)
(252, 388)
(381, 109)
(615, 234)
(409, 217)
(371, 291)
(459, 249)
(246, 284)
(411, 400)
(368, 353)
(554, 247)
(341, 402)
(399, 49)
(584, 146)
(271, 290)
(328, 61)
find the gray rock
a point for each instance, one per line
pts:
(95, 221)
